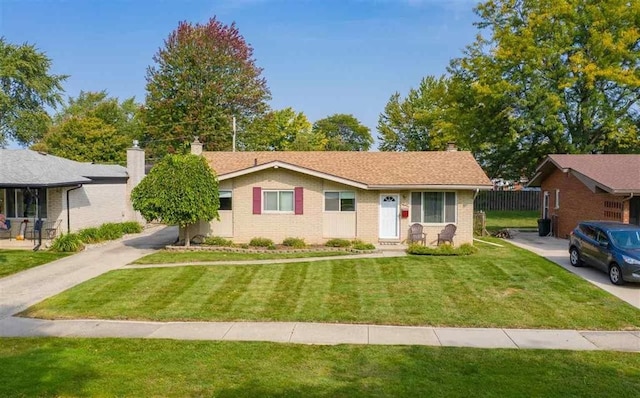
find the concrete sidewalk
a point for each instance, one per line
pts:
(557, 250)
(327, 334)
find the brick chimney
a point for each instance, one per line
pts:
(136, 172)
(451, 147)
(196, 146)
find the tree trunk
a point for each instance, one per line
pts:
(187, 241)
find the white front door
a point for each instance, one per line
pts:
(388, 228)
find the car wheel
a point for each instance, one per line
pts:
(615, 274)
(574, 257)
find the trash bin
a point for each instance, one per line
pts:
(544, 226)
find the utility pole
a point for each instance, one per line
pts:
(234, 134)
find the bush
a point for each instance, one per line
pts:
(338, 243)
(296, 243)
(261, 242)
(131, 227)
(110, 231)
(90, 235)
(217, 241)
(68, 243)
(357, 244)
(443, 250)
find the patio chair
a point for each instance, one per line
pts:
(6, 232)
(416, 234)
(51, 229)
(447, 234)
(35, 230)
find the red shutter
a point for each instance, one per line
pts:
(257, 200)
(298, 200)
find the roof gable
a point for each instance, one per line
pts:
(613, 173)
(362, 169)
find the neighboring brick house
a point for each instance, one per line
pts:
(372, 196)
(588, 187)
(68, 194)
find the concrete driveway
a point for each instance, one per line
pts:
(557, 250)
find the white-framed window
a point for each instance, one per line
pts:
(277, 201)
(339, 201)
(226, 202)
(557, 198)
(434, 207)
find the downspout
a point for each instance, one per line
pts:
(629, 198)
(69, 209)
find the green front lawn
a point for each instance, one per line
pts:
(12, 261)
(497, 220)
(169, 256)
(165, 368)
(497, 287)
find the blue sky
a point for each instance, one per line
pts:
(320, 57)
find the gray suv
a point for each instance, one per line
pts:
(610, 246)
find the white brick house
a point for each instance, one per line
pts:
(72, 195)
(372, 196)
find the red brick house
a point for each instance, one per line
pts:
(588, 187)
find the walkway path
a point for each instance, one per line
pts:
(323, 333)
(24, 289)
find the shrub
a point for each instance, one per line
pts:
(110, 231)
(338, 243)
(261, 242)
(443, 250)
(69, 243)
(297, 243)
(131, 227)
(217, 241)
(357, 244)
(90, 235)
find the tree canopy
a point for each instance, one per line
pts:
(202, 77)
(543, 76)
(27, 87)
(93, 128)
(341, 132)
(565, 73)
(278, 130)
(191, 195)
(417, 122)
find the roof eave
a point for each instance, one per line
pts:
(458, 187)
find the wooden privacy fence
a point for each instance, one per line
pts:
(507, 200)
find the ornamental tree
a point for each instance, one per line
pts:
(203, 77)
(179, 190)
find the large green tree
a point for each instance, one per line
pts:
(27, 87)
(278, 130)
(418, 122)
(203, 76)
(341, 132)
(560, 76)
(93, 127)
(191, 195)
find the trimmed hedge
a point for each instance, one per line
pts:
(108, 231)
(217, 241)
(296, 243)
(443, 250)
(338, 243)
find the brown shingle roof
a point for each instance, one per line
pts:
(615, 173)
(369, 168)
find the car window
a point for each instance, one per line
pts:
(626, 239)
(588, 231)
(602, 237)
